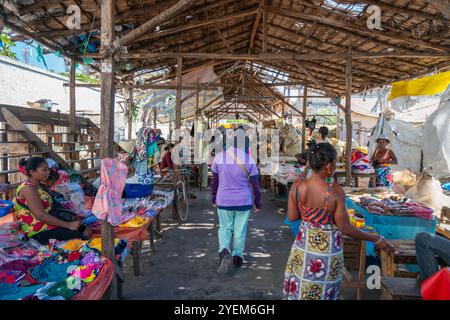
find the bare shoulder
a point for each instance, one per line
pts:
(338, 190)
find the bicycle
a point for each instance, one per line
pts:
(178, 179)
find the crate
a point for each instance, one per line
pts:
(393, 288)
(352, 250)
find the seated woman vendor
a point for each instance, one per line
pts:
(381, 159)
(167, 163)
(33, 206)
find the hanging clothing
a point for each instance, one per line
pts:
(29, 224)
(108, 202)
(315, 266)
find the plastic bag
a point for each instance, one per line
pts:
(437, 287)
(428, 190)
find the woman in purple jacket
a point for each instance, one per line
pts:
(234, 171)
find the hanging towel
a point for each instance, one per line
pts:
(425, 86)
(108, 202)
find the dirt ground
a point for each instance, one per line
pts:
(185, 260)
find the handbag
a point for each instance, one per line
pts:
(242, 166)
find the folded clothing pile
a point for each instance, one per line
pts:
(396, 206)
(361, 162)
(59, 271)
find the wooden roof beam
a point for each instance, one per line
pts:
(354, 29)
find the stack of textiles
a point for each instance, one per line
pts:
(361, 162)
(59, 271)
(396, 206)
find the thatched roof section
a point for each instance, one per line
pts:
(414, 40)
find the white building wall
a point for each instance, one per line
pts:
(21, 83)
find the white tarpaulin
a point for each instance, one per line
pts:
(436, 139)
(165, 100)
(406, 142)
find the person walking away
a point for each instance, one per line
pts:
(315, 266)
(234, 171)
(381, 159)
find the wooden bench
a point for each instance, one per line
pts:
(400, 289)
(356, 176)
(406, 254)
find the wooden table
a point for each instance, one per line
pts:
(356, 176)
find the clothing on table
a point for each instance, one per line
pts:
(13, 292)
(29, 224)
(51, 271)
(315, 266)
(108, 202)
(233, 223)
(428, 247)
(61, 234)
(233, 187)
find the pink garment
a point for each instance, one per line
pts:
(108, 202)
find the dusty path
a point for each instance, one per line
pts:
(184, 264)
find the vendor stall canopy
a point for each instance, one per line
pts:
(253, 45)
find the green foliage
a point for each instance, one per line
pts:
(82, 77)
(134, 112)
(327, 120)
(6, 49)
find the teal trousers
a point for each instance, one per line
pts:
(233, 223)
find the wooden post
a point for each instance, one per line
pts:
(265, 25)
(72, 116)
(107, 123)
(130, 117)
(348, 122)
(305, 101)
(197, 107)
(178, 105)
(155, 115)
(338, 124)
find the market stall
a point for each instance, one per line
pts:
(63, 270)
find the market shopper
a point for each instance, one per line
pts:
(234, 176)
(315, 266)
(428, 248)
(167, 163)
(381, 159)
(33, 206)
(323, 135)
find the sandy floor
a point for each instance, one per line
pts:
(185, 259)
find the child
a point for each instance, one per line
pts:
(58, 210)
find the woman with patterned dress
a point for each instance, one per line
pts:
(33, 206)
(381, 159)
(315, 266)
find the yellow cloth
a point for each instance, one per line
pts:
(136, 222)
(430, 85)
(74, 245)
(96, 243)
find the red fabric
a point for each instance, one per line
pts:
(97, 288)
(130, 234)
(22, 170)
(167, 161)
(437, 287)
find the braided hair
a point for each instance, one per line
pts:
(321, 154)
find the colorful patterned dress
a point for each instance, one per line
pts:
(29, 224)
(315, 266)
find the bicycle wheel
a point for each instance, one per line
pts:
(181, 201)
